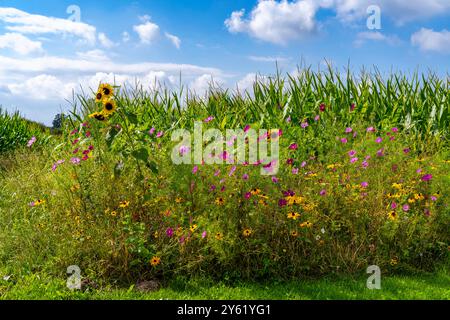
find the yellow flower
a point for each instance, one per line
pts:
(394, 261)
(247, 232)
(255, 191)
(179, 231)
(219, 235)
(397, 186)
(294, 200)
(220, 201)
(156, 234)
(39, 202)
(393, 215)
(113, 213)
(306, 224)
(98, 116)
(179, 200)
(411, 200)
(109, 107)
(193, 227)
(294, 234)
(155, 261)
(124, 204)
(105, 91)
(293, 215)
(419, 196)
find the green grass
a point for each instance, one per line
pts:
(425, 286)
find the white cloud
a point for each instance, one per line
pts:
(276, 22)
(19, 43)
(147, 32)
(268, 59)
(42, 87)
(430, 40)
(203, 83)
(174, 39)
(26, 23)
(105, 41)
(363, 37)
(96, 54)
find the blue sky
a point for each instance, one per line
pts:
(45, 52)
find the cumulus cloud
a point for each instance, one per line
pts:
(19, 43)
(430, 40)
(276, 22)
(268, 59)
(22, 22)
(105, 41)
(148, 31)
(174, 39)
(203, 83)
(42, 87)
(125, 37)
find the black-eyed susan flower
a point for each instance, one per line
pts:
(124, 204)
(394, 261)
(306, 224)
(155, 261)
(219, 236)
(193, 227)
(179, 200)
(247, 232)
(293, 215)
(255, 191)
(109, 106)
(114, 213)
(220, 201)
(393, 215)
(294, 234)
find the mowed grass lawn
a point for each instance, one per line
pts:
(434, 286)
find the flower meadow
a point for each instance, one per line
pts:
(363, 180)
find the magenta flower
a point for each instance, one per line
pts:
(85, 158)
(406, 150)
(246, 128)
(75, 141)
(293, 146)
(364, 184)
(427, 177)
(379, 140)
(393, 205)
(290, 161)
(88, 134)
(419, 170)
(245, 176)
(282, 202)
(212, 188)
(75, 151)
(91, 147)
(160, 134)
(380, 153)
(233, 169)
(322, 107)
(195, 170)
(169, 232)
(152, 131)
(204, 234)
(351, 153)
(304, 125)
(288, 119)
(248, 195)
(348, 130)
(364, 164)
(209, 119)
(395, 129)
(370, 129)
(317, 118)
(303, 164)
(344, 140)
(323, 192)
(353, 160)
(433, 198)
(405, 207)
(74, 131)
(352, 107)
(31, 142)
(275, 180)
(216, 173)
(183, 150)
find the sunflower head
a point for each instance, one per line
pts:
(98, 116)
(106, 90)
(109, 106)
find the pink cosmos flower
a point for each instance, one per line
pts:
(433, 198)
(323, 192)
(31, 142)
(353, 160)
(209, 119)
(85, 158)
(204, 234)
(427, 177)
(317, 118)
(248, 195)
(245, 176)
(275, 180)
(380, 153)
(303, 164)
(304, 125)
(348, 130)
(246, 128)
(74, 131)
(160, 134)
(290, 161)
(344, 140)
(379, 140)
(288, 119)
(152, 131)
(365, 164)
(88, 134)
(405, 207)
(212, 188)
(322, 107)
(395, 129)
(370, 129)
(195, 170)
(419, 170)
(216, 173)
(406, 150)
(393, 205)
(169, 232)
(75, 141)
(293, 146)
(183, 150)
(364, 184)
(352, 107)
(294, 170)
(75, 151)
(75, 161)
(233, 169)
(351, 153)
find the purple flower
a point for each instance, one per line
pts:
(370, 129)
(352, 107)
(380, 153)
(344, 140)
(364, 164)
(406, 150)
(353, 160)
(216, 173)
(195, 170)
(294, 170)
(322, 107)
(348, 130)
(303, 164)
(209, 119)
(246, 128)
(288, 119)
(248, 195)
(152, 131)
(427, 177)
(282, 202)
(160, 134)
(204, 234)
(323, 192)
(419, 170)
(405, 207)
(317, 118)
(233, 169)
(304, 125)
(290, 161)
(212, 188)
(379, 140)
(433, 198)
(31, 142)
(395, 129)
(169, 232)
(245, 176)
(364, 184)
(184, 150)
(274, 179)
(393, 205)
(351, 153)
(75, 161)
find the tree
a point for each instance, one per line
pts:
(58, 121)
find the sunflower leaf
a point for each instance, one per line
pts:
(141, 154)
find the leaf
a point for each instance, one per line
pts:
(152, 166)
(110, 135)
(141, 154)
(131, 117)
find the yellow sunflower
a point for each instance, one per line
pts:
(105, 91)
(98, 116)
(393, 215)
(109, 106)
